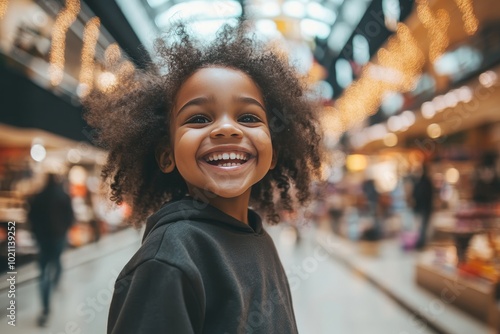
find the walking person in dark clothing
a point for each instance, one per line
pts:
(51, 215)
(423, 199)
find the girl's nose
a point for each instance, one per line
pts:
(226, 128)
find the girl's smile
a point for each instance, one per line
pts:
(220, 134)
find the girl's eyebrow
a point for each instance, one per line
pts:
(203, 100)
(249, 100)
(196, 102)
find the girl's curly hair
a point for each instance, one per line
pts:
(133, 120)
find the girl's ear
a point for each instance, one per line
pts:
(165, 159)
(274, 159)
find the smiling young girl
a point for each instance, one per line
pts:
(226, 125)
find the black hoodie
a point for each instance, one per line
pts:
(200, 270)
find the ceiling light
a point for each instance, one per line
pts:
(208, 28)
(343, 71)
(339, 36)
(156, 3)
(391, 103)
(439, 103)
(319, 12)
(264, 9)
(392, 13)
(199, 10)
(353, 10)
(360, 49)
(428, 110)
(377, 132)
(313, 28)
(395, 123)
(488, 78)
(267, 27)
(294, 9)
(465, 94)
(408, 117)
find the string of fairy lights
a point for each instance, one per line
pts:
(437, 25)
(90, 36)
(396, 67)
(3, 7)
(471, 23)
(105, 80)
(64, 20)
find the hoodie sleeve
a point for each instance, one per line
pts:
(155, 298)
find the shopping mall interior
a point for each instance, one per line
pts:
(403, 234)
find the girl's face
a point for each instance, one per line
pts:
(220, 134)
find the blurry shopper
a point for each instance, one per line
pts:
(423, 199)
(372, 197)
(487, 183)
(51, 215)
(91, 217)
(335, 203)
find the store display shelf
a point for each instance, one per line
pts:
(474, 295)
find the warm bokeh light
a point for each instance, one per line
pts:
(106, 81)
(74, 156)
(38, 152)
(356, 162)
(488, 78)
(452, 175)
(390, 139)
(112, 55)
(77, 175)
(437, 26)
(397, 69)
(434, 130)
(64, 20)
(90, 36)
(471, 22)
(4, 4)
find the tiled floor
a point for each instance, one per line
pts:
(328, 297)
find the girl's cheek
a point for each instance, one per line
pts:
(263, 140)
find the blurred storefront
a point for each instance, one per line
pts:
(429, 96)
(51, 54)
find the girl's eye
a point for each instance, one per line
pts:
(198, 119)
(249, 119)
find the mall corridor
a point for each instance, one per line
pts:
(328, 297)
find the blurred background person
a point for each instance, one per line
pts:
(486, 188)
(50, 215)
(373, 205)
(423, 199)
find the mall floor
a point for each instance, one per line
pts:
(328, 297)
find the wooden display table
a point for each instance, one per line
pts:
(473, 295)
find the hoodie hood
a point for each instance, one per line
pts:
(194, 210)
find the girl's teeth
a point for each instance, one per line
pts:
(227, 156)
(234, 164)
